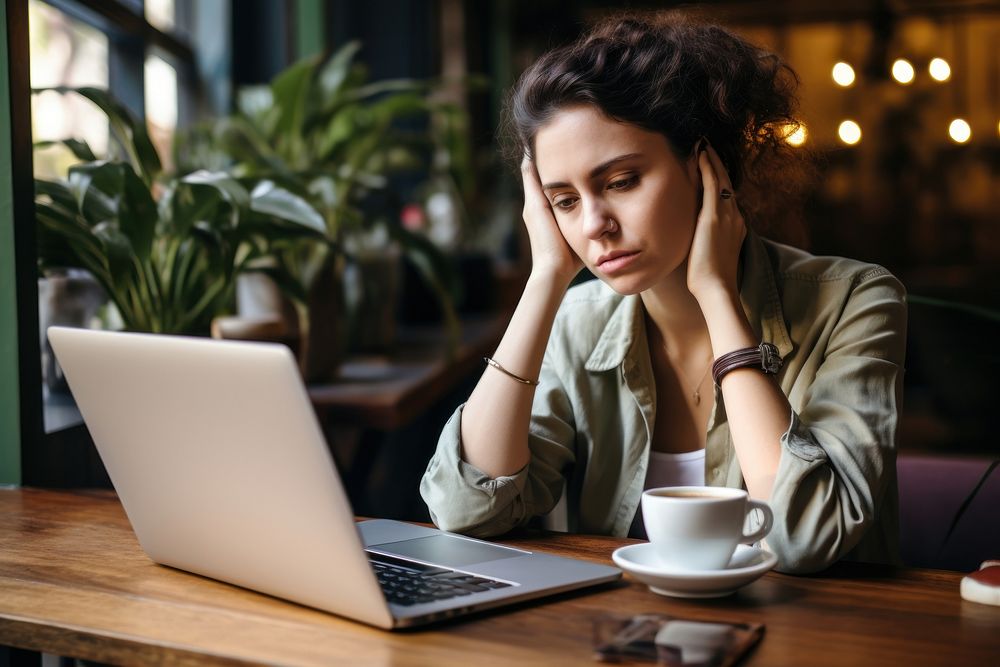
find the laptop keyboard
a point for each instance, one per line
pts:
(407, 583)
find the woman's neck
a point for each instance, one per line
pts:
(675, 313)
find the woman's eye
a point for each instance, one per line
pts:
(623, 183)
(565, 203)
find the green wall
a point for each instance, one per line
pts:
(10, 423)
(310, 27)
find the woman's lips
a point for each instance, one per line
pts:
(616, 261)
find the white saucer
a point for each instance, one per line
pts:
(747, 564)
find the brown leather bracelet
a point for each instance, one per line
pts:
(764, 357)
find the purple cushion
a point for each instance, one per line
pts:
(931, 491)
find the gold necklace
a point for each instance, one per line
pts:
(697, 390)
(696, 394)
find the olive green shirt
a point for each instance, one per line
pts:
(840, 326)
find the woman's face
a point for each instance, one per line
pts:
(623, 201)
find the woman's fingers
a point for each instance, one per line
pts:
(717, 185)
(549, 249)
(709, 184)
(534, 198)
(719, 232)
(722, 179)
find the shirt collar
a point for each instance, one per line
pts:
(758, 294)
(623, 329)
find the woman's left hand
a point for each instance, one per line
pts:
(718, 234)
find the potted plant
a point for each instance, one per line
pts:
(166, 249)
(322, 131)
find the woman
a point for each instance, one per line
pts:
(646, 146)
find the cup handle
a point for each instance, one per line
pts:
(765, 528)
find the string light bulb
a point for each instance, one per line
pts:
(902, 71)
(939, 69)
(843, 74)
(849, 132)
(959, 131)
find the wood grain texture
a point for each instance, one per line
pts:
(73, 581)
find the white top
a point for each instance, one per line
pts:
(685, 469)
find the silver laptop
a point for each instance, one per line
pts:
(219, 461)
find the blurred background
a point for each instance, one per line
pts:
(361, 140)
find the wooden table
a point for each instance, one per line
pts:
(74, 582)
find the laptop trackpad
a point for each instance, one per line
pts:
(447, 551)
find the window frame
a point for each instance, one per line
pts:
(66, 457)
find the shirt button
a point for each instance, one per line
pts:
(716, 472)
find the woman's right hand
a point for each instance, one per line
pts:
(551, 256)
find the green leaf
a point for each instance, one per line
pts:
(65, 241)
(269, 199)
(80, 149)
(137, 214)
(117, 251)
(400, 106)
(243, 142)
(133, 209)
(228, 187)
(390, 86)
(183, 206)
(334, 73)
(94, 204)
(57, 192)
(130, 133)
(291, 91)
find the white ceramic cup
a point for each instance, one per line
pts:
(698, 527)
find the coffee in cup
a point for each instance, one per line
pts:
(698, 527)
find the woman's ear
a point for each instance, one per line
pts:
(694, 169)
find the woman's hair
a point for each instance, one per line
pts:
(671, 74)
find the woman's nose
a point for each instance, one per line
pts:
(597, 220)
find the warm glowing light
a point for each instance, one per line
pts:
(959, 131)
(940, 69)
(902, 71)
(843, 74)
(849, 132)
(796, 135)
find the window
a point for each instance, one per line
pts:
(65, 51)
(142, 52)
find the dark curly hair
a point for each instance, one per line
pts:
(685, 79)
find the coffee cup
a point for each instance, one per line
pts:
(698, 527)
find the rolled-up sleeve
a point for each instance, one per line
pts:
(461, 498)
(838, 455)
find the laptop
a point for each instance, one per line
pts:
(220, 463)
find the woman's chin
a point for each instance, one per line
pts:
(624, 285)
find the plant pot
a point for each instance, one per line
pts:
(314, 331)
(71, 298)
(321, 324)
(372, 284)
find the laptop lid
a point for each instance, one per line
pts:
(222, 468)
(220, 464)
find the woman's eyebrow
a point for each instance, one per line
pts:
(596, 171)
